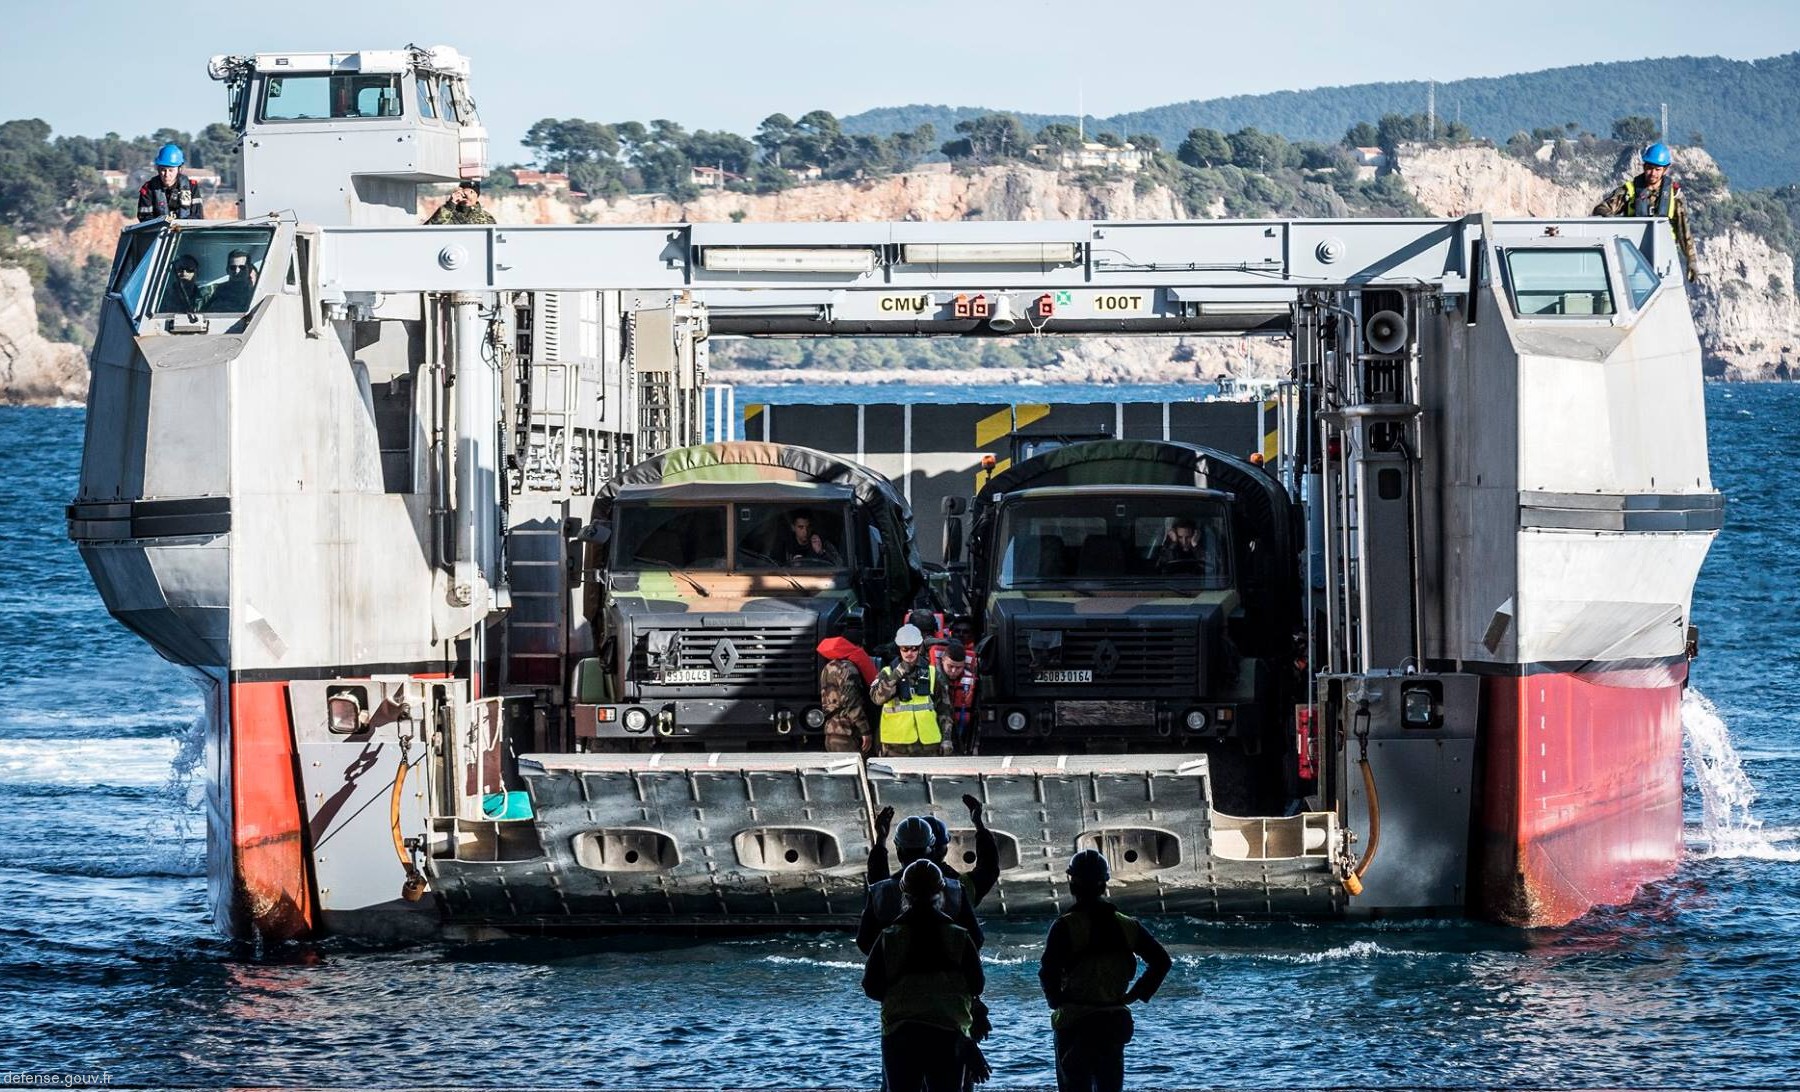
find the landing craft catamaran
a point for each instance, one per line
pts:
(404, 520)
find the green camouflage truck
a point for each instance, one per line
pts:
(1137, 595)
(715, 571)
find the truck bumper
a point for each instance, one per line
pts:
(717, 720)
(1156, 719)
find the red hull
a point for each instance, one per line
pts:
(270, 887)
(1581, 791)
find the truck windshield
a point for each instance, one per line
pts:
(788, 536)
(685, 537)
(1139, 540)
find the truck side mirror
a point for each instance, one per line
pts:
(955, 506)
(953, 539)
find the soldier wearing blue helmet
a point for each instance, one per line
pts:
(1654, 193)
(169, 192)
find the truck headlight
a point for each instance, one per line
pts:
(1015, 721)
(1196, 719)
(636, 720)
(815, 717)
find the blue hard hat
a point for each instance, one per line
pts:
(170, 155)
(1657, 155)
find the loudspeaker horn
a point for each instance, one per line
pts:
(1385, 332)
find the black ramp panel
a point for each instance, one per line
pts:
(750, 837)
(1148, 813)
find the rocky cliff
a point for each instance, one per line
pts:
(33, 371)
(1745, 300)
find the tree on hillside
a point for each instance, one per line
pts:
(1258, 151)
(1635, 129)
(721, 149)
(558, 145)
(990, 136)
(1204, 148)
(774, 136)
(819, 139)
(1057, 136)
(911, 147)
(1144, 142)
(1362, 135)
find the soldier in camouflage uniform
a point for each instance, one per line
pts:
(463, 206)
(843, 693)
(1654, 193)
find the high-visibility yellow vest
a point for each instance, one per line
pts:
(1098, 975)
(913, 721)
(1665, 199)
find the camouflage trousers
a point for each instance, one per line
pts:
(844, 738)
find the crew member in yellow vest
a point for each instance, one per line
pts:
(926, 973)
(915, 703)
(1654, 193)
(1089, 961)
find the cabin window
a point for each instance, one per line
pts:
(427, 107)
(769, 536)
(1559, 283)
(684, 537)
(132, 271)
(1148, 539)
(323, 97)
(213, 271)
(1640, 278)
(447, 98)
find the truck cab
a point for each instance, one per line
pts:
(713, 586)
(1132, 596)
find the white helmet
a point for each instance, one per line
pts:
(908, 636)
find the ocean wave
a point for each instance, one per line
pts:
(162, 861)
(834, 964)
(88, 762)
(1357, 950)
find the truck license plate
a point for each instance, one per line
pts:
(1062, 676)
(688, 675)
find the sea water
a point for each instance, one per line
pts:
(110, 968)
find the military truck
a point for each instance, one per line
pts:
(1137, 595)
(714, 572)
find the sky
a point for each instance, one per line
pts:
(94, 67)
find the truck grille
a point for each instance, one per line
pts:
(1164, 655)
(754, 661)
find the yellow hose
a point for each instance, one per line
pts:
(1353, 882)
(414, 886)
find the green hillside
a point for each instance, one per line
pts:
(1744, 109)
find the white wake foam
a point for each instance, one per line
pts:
(80, 763)
(1727, 827)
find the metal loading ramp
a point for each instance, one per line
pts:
(697, 836)
(784, 838)
(1151, 815)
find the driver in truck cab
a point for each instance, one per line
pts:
(1183, 550)
(914, 700)
(807, 547)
